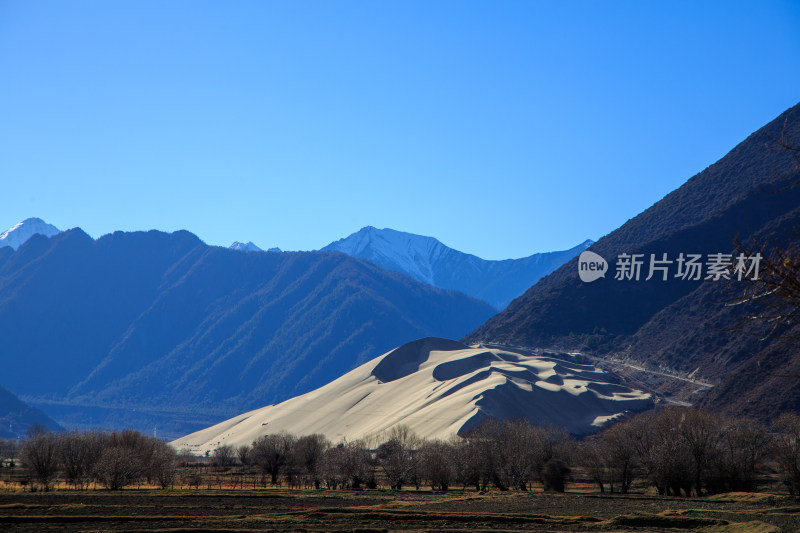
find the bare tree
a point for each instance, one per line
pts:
(595, 459)
(224, 456)
(244, 453)
(619, 449)
(307, 455)
(466, 462)
(161, 466)
(9, 449)
(79, 454)
(701, 432)
(117, 467)
(396, 457)
(786, 449)
(739, 451)
(272, 453)
(129, 457)
(39, 454)
(436, 464)
(346, 465)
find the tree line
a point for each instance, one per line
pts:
(677, 450)
(113, 460)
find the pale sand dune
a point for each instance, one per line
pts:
(437, 387)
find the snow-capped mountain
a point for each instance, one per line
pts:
(427, 259)
(245, 247)
(439, 387)
(17, 235)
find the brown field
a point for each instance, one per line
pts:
(281, 509)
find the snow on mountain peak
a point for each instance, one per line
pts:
(428, 260)
(245, 247)
(412, 254)
(17, 235)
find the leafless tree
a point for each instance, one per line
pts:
(786, 449)
(737, 454)
(307, 454)
(272, 453)
(701, 432)
(436, 464)
(79, 453)
(466, 461)
(397, 457)
(346, 465)
(619, 449)
(244, 453)
(118, 467)
(161, 465)
(594, 457)
(39, 454)
(9, 449)
(224, 456)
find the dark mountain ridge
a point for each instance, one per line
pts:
(158, 321)
(683, 325)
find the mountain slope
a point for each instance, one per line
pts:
(163, 322)
(679, 324)
(438, 387)
(428, 260)
(16, 417)
(17, 235)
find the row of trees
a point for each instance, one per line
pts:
(509, 454)
(680, 450)
(115, 460)
(677, 450)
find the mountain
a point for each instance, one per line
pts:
(154, 328)
(19, 234)
(681, 327)
(439, 387)
(428, 260)
(16, 417)
(246, 247)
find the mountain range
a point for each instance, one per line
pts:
(151, 328)
(152, 320)
(428, 260)
(439, 388)
(682, 327)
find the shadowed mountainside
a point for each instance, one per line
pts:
(685, 326)
(162, 321)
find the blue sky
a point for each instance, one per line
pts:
(501, 128)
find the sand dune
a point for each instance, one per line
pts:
(438, 387)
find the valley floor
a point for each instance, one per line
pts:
(275, 509)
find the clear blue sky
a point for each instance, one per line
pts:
(501, 128)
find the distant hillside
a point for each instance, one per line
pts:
(677, 324)
(428, 260)
(157, 323)
(16, 417)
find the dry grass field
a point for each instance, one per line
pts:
(276, 509)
